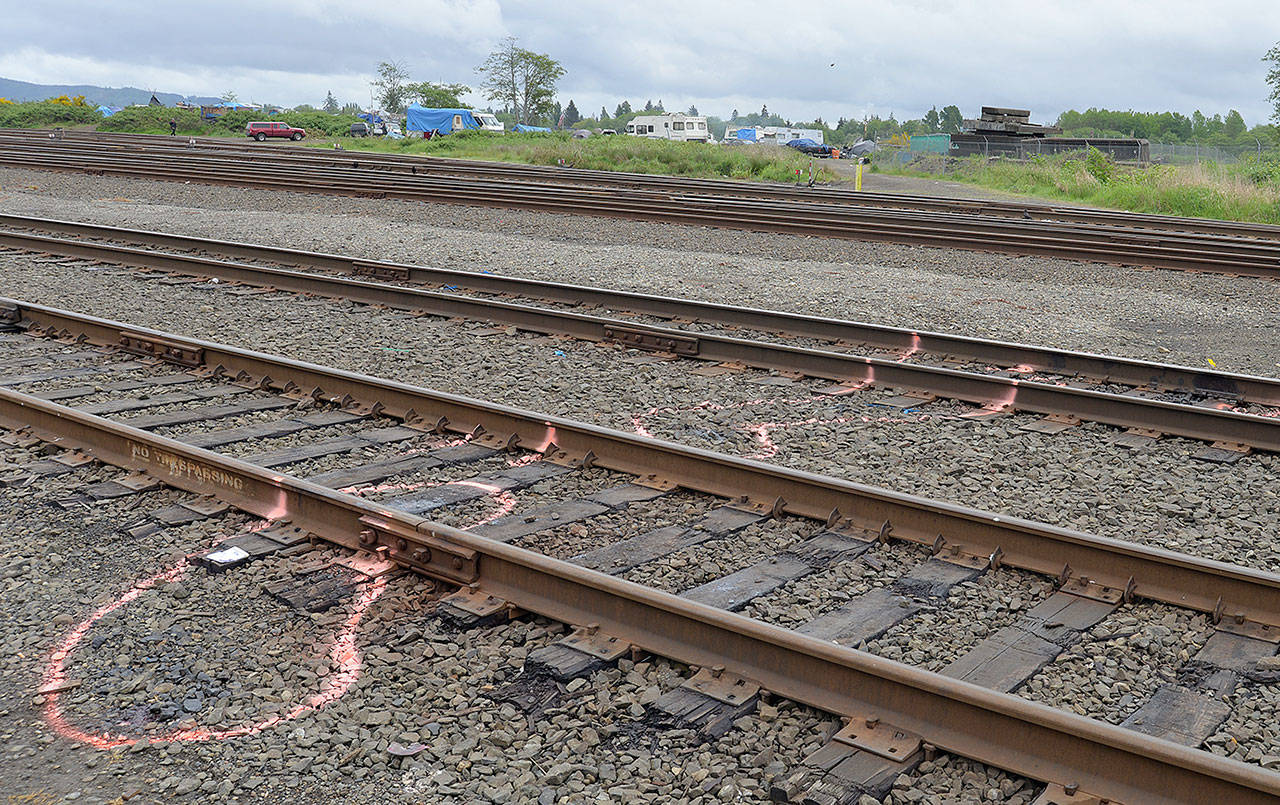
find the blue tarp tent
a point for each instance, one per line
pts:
(746, 135)
(440, 121)
(108, 111)
(370, 117)
(523, 127)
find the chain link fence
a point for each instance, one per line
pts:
(1194, 154)
(1160, 154)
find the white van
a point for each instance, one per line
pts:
(671, 126)
(488, 122)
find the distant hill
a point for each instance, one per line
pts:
(109, 96)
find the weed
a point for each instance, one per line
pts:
(1246, 192)
(617, 153)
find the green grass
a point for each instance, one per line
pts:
(616, 153)
(1246, 192)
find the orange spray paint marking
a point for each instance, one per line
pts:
(761, 432)
(343, 653)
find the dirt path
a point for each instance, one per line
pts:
(912, 185)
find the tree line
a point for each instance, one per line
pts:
(523, 83)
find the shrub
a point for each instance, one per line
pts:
(46, 113)
(153, 120)
(315, 122)
(1099, 165)
(617, 152)
(1262, 169)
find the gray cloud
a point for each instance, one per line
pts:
(902, 57)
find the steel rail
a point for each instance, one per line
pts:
(1231, 257)
(1092, 565)
(1190, 421)
(819, 193)
(1101, 368)
(1093, 233)
(1013, 208)
(998, 729)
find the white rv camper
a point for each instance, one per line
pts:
(780, 135)
(671, 126)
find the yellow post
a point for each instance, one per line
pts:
(857, 185)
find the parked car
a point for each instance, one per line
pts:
(360, 129)
(263, 130)
(806, 146)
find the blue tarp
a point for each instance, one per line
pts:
(747, 135)
(108, 111)
(523, 127)
(370, 117)
(420, 118)
(803, 142)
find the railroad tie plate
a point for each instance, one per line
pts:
(1055, 794)
(590, 640)
(871, 735)
(475, 602)
(722, 686)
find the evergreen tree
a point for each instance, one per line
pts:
(571, 115)
(648, 106)
(659, 108)
(932, 122)
(1233, 126)
(330, 103)
(693, 110)
(604, 113)
(734, 116)
(624, 108)
(950, 121)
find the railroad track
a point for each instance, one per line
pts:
(401, 452)
(1232, 413)
(415, 165)
(1118, 245)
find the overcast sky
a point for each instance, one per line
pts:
(901, 57)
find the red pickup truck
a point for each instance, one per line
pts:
(261, 131)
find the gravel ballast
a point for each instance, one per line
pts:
(1078, 479)
(1157, 315)
(203, 651)
(585, 748)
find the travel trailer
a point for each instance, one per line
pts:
(432, 121)
(780, 135)
(671, 126)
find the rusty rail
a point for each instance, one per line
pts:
(433, 165)
(998, 729)
(1190, 421)
(1244, 257)
(1101, 368)
(1246, 600)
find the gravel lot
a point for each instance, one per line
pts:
(1155, 496)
